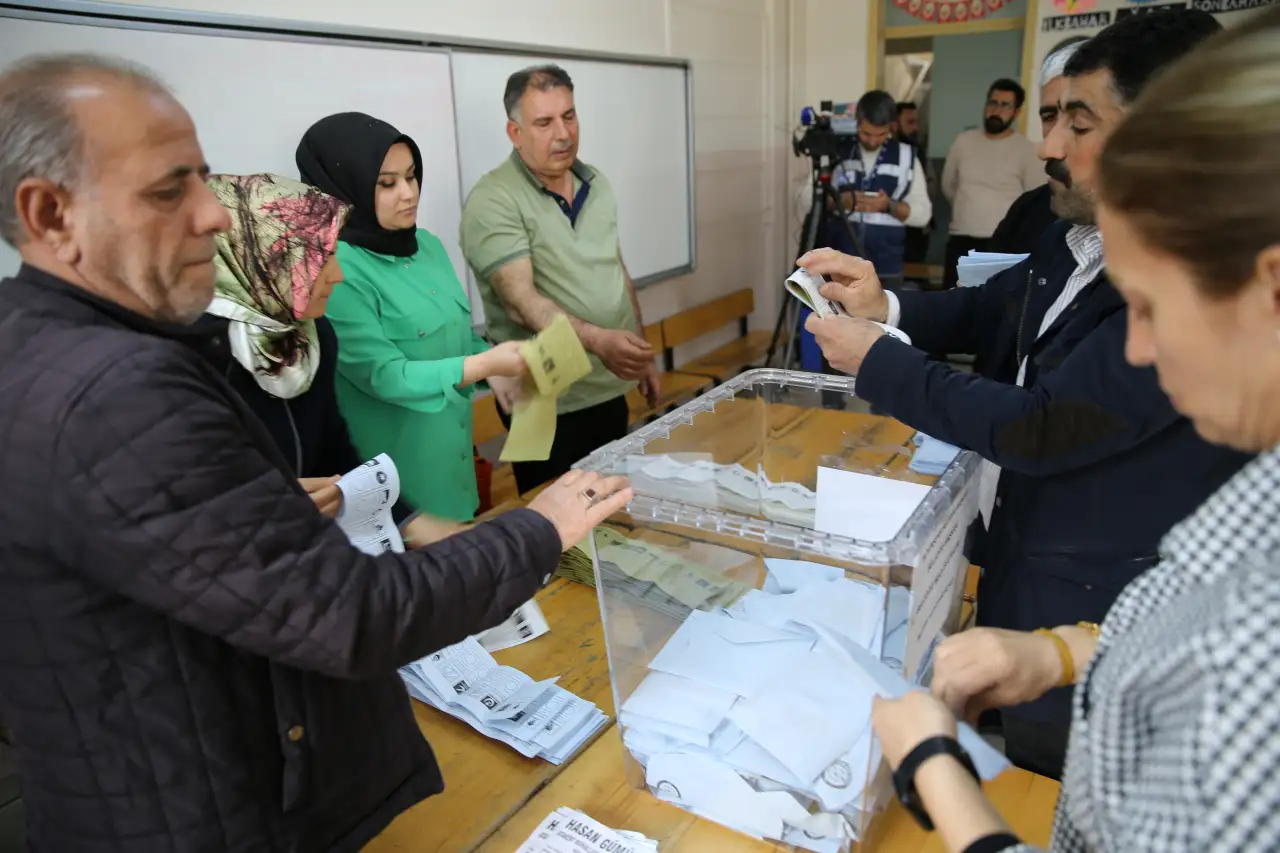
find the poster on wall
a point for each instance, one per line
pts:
(949, 11)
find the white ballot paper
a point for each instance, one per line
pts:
(365, 516)
(567, 830)
(526, 624)
(535, 718)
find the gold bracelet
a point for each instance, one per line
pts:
(1064, 652)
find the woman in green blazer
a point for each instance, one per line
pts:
(408, 360)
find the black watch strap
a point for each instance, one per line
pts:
(904, 778)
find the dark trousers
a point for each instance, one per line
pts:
(958, 245)
(1034, 745)
(578, 434)
(917, 247)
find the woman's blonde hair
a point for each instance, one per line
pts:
(1195, 166)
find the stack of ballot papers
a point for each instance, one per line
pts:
(976, 267)
(568, 830)
(535, 718)
(660, 578)
(696, 479)
(757, 716)
(932, 456)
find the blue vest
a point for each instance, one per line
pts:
(883, 236)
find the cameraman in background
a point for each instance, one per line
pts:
(884, 188)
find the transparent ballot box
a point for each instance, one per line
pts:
(780, 564)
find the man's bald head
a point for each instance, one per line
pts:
(102, 183)
(40, 133)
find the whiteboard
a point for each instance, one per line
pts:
(252, 98)
(634, 125)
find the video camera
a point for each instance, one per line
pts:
(824, 134)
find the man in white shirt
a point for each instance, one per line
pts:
(987, 170)
(882, 187)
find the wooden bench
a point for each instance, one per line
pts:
(725, 362)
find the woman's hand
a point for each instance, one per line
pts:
(325, 492)
(992, 668)
(902, 724)
(502, 360)
(505, 360)
(424, 529)
(579, 501)
(506, 391)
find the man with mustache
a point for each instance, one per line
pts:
(1087, 464)
(986, 171)
(1033, 212)
(541, 234)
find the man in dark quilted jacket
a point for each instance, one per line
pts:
(192, 658)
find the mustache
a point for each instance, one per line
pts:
(1057, 169)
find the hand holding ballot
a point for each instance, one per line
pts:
(845, 341)
(853, 283)
(903, 723)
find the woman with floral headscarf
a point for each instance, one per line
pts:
(276, 269)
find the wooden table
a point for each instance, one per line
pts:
(595, 784)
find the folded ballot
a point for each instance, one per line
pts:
(535, 718)
(757, 716)
(805, 286)
(976, 267)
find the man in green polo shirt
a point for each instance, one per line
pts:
(541, 233)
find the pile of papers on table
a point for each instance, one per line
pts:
(976, 267)
(568, 830)
(696, 479)
(932, 456)
(758, 715)
(535, 718)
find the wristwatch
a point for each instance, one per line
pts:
(904, 778)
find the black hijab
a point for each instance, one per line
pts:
(342, 155)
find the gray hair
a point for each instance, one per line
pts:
(39, 134)
(1055, 64)
(541, 78)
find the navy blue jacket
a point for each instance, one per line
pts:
(1097, 465)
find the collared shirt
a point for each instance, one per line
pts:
(1085, 243)
(576, 259)
(582, 189)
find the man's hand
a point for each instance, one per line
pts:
(903, 723)
(325, 493)
(626, 354)
(992, 668)
(854, 283)
(845, 341)
(651, 386)
(506, 391)
(578, 501)
(878, 203)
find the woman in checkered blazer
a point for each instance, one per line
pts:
(1175, 739)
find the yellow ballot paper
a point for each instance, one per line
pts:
(556, 357)
(556, 360)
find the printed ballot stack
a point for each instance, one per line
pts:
(535, 718)
(783, 563)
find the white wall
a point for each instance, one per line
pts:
(756, 62)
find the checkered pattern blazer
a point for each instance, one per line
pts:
(1175, 739)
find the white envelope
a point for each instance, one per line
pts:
(729, 653)
(680, 701)
(790, 575)
(709, 787)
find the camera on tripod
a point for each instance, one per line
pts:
(822, 134)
